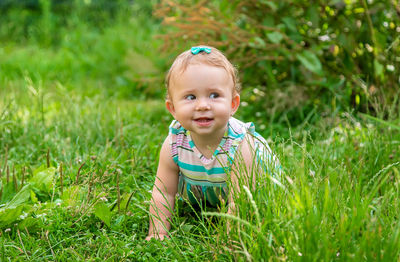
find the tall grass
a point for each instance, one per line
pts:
(77, 129)
(338, 201)
(337, 198)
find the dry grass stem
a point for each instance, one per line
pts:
(48, 241)
(48, 158)
(22, 244)
(23, 176)
(8, 174)
(78, 173)
(5, 159)
(15, 180)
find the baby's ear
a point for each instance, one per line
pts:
(170, 106)
(235, 103)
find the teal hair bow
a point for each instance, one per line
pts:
(197, 49)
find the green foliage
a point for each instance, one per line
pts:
(102, 211)
(16, 203)
(310, 61)
(298, 56)
(42, 178)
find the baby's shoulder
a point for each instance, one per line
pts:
(175, 128)
(178, 136)
(240, 129)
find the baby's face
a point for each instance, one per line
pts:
(202, 99)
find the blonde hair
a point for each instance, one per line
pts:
(214, 58)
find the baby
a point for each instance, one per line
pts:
(200, 155)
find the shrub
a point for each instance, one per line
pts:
(297, 56)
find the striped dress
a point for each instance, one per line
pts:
(202, 179)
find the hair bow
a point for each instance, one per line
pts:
(197, 49)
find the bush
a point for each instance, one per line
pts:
(297, 56)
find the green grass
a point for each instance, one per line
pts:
(95, 98)
(338, 199)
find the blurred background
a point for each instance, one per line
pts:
(299, 61)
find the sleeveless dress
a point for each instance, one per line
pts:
(203, 180)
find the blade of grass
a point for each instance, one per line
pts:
(380, 121)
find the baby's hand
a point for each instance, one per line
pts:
(157, 236)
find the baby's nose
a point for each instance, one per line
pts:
(202, 104)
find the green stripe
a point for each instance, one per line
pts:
(175, 131)
(191, 143)
(194, 168)
(232, 133)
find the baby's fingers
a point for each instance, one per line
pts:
(148, 238)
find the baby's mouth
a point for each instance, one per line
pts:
(203, 121)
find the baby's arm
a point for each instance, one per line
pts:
(163, 196)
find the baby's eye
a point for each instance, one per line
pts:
(190, 97)
(214, 95)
